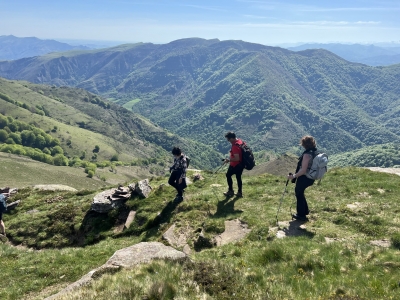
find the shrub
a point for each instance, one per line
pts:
(395, 239)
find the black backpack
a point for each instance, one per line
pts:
(248, 161)
(3, 203)
(187, 160)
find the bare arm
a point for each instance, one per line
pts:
(303, 169)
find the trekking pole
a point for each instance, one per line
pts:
(219, 168)
(280, 203)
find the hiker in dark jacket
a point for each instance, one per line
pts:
(178, 173)
(2, 226)
(302, 181)
(235, 165)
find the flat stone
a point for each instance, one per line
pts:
(130, 218)
(381, 243)
(288, 228)
(235, 230)
(54, 187)
(126, 258)
(176, 237)
(108, 200)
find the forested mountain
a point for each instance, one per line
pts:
(366, 54)
(201, 88)
(12, 47)
(81, 121)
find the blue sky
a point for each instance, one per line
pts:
(264, 22)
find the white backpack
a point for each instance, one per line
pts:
(319, 166)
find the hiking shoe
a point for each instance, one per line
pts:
(239, 194)
(229, 193)
(299, 218)
(178, 199)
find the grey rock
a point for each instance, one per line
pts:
(235, 230)
(130, 219)
(110, 199)
(177, 237)
(126, 258)
(143, 188)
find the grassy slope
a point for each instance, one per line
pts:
(114, 129)
(65, 117)
(258, 267)
(18, 171)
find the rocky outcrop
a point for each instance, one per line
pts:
(110, 199)
(142, 188)
(126, 258)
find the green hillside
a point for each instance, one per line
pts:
(329, 257)
(270, 96)
(386, 155)
(81, 121)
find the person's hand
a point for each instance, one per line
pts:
(170, 169)
(180, 180)
(226, 160)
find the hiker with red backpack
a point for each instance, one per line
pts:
(235, 165)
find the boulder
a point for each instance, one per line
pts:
(143, 188)
(110, 199)
(126, 258)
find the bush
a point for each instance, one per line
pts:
(395, 239)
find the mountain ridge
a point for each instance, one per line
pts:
(270, 96)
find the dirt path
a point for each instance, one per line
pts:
(386, 170)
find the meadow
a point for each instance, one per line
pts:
(54, 243)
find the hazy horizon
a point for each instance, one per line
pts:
(256, 21)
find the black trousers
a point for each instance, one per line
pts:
(237, 170)
(174, 181)
(301, 184)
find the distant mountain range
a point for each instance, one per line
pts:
(366, 54)
(12, 47)
(270, 96)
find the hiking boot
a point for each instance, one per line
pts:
(229, 193)
(299, 218)
(178, 199)
(239, 194)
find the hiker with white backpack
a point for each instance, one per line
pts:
(3, 207)
(312, 165)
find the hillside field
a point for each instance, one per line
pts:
(330, 257)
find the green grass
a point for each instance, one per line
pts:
(129, 105)
(258, 267)
(19, 171)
